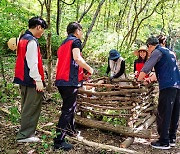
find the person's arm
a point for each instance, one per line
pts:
(32, 62)
(80, 61)
(150, 63)
(121, 71)
(108, 68)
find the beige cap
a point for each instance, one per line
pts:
(142, 48)
(13, 42)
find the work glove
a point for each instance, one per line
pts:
(39, 86)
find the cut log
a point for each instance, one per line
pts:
(94, 144)
(111, 93)
(145, 125)
(105, 107)
(110, 86)
(127, 131)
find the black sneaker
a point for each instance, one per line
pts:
(159, 145)
(172, 142)
(63, 146)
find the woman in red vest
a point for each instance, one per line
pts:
(142, 54)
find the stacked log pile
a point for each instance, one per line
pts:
(122, 99)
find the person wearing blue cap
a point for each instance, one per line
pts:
(116, 64)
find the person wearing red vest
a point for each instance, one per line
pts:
(142, 54)
(29, 75)
(69, 76)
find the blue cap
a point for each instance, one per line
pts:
(114, 54)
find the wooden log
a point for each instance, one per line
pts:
(106, 107)
(127, 131)
(111, 86)
(81, 140)
(107, 98)
(145, 125)
(111, 93)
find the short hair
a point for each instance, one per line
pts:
(152, 41)
(35, 21)
(72, 26)
(161, 38)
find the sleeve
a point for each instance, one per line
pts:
(108, 68)
(121, 71)
(151, 62)
(32, 60)
(77, 44)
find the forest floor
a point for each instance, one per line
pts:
(9, 125)
(8, 144)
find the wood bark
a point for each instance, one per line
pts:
(111, 93)
(48, 44)
(145, 125)
(127, 131)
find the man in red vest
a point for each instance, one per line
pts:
(69, 76)
(29, 74)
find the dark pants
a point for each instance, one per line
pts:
(66, 120)
(168, 114)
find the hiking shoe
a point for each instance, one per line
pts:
(172, 142)
(30, 139)
(63, 146)
(159, 145)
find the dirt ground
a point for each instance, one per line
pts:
(8, 144)
(48, 119)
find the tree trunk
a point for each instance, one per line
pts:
(48, 43)
(2, 72)
(93, 22)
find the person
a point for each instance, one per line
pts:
(69, 77)
(168, 76)
(116, 65)
(29, 75)
(142, 58)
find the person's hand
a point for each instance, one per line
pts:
(39, 86)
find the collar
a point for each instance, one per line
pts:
(28, 32)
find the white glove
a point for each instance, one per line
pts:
(39, 86)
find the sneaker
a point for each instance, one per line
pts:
(63, 146)
(30, 139)
(159, 145)
(172, 142)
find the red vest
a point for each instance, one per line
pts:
(139, 65)
(21, 68)
(68, 72)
